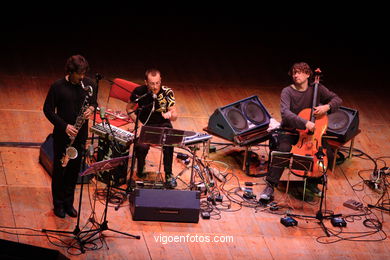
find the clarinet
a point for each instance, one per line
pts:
(71, 152)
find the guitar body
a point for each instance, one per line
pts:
(309, 144)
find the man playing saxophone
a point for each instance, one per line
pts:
(69, 102)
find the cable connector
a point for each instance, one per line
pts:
(385, 170)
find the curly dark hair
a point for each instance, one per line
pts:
(76, 63)
(300, 67)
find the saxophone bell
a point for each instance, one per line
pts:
(70, 153)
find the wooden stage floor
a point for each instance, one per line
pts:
(238, 229)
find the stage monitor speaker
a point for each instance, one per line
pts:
(46, 156)
(238, 118)
(110, 150)
(14, 250)
(343, 123)
(165, 205)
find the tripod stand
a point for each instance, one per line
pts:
(319, 215)
(94, 169)
(76, 232)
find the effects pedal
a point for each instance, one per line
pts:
(205, 215)
(249, 195)
(353, 204)
(288, 221)
(264, 202)
(219, 198)
(338, 222)
(273, 206)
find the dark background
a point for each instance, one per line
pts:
(248, 49)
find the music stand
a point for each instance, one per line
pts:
(303, 163)
(162, 136)
(292, 162)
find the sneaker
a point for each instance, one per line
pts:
(141, 174)
(171, 183)
(267, 193)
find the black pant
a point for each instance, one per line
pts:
(64, 179)
(141, 151)
(283, 142)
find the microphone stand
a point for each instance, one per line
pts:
(117, 147)
(104, 225)
(98, 78)
(137, 111)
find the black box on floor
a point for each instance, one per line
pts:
(338, 222)
(288, 221)
(165, 205)
(14, 250)
(46, 156)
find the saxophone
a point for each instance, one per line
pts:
(71, 152)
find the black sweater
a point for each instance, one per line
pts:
(293, 101)
(63, 104)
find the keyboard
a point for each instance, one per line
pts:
(122, 136)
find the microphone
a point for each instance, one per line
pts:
(144, 95)
(102, 113)
(91, 150)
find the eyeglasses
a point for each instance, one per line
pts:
(154, 83)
